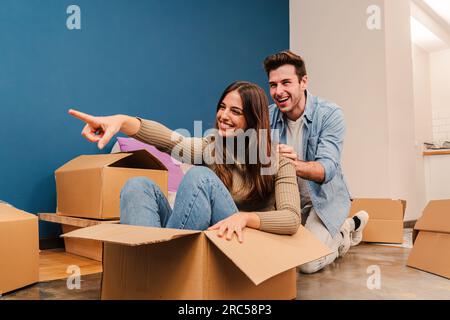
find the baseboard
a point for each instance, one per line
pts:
(409, 224)
(51, 243)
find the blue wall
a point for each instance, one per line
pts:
(165, 60)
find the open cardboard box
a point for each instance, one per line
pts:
(89, 186)
(385, 219)
(86, 248)
(431, 236)
(19, 249)
(157, 263)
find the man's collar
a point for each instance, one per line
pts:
(309, 107)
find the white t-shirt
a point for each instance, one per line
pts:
(294, 135)
(294, 138)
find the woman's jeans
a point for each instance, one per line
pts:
(201, 201)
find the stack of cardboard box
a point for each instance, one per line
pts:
(385, 219)
(431, 236)
(19, 249)
(86, 248)
(155, 263)
(88, 192)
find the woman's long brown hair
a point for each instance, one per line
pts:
(256, 113)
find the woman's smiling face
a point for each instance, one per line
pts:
(230, 115)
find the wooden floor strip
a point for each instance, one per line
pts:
(54, 264)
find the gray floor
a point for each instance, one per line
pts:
(57, 290)
(346, 278)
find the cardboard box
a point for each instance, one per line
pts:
(431, 236)
(86, 248)
(89, 186)
(19, 249)
(158, 263)
(385, 219)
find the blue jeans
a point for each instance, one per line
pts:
(202, 200)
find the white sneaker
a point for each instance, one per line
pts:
(346, 229)
(356, 235)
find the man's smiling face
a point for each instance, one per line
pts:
(286, 90)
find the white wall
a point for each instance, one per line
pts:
(345, 63)
(422, 117)
(369, 73)
(440, 94)
(422, 95)
(402, 155)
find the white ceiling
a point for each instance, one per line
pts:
(424, 38)
(430, 24)
(441, 7)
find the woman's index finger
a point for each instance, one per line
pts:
(81, 115)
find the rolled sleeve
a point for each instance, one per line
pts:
(329, 167)
(330, 143)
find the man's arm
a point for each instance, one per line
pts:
(330, 142)
(309, 170)
(328, 151)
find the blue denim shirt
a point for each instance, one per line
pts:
(323, 136)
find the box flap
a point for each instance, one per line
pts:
(263, 255)
(8, 213)
(128, 235)
(385, 209)
(92, 161)
(387, 231)
(430, 253)
(140, 159)
(435, 217)
(71, 221)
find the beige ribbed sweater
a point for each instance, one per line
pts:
(279, 214)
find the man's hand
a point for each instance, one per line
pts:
(101, 129)
(233, 224)
(288, 152)
(311, 170)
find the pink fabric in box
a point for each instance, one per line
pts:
(175, 172)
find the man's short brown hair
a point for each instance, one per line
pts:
(279, 59)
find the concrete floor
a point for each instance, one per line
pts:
(345, 279)
(348, 276)
(57, 290)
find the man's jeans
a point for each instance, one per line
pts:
(202, 200)
(312, 222)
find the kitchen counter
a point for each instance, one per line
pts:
(437, 174)
(437, 152)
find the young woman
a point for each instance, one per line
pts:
(230, 190)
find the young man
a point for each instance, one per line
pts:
(311, 135)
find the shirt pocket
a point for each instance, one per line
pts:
(312, 148)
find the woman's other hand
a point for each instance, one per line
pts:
(236, 223)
